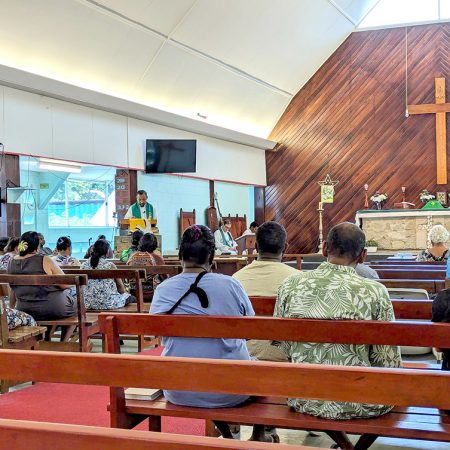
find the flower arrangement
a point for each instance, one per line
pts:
(425, 196)
(379, 199)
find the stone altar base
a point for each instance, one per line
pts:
(404, 230)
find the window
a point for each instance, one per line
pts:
(79, 203)
(397, 12)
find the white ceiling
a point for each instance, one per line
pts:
(238, 62)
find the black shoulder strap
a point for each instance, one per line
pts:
(194, 289)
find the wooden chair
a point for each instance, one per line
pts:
(187, 219)
(86, 326)
(238, 225)
(23, 337)
(404, 388)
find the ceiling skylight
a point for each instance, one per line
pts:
(399, 12)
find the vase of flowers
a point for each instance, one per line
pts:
(425, 196)
(379, 199)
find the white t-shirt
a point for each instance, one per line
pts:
(263, 278)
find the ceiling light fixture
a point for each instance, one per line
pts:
(59, 166)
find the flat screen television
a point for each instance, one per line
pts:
(170, 156)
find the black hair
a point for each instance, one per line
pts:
(63, 243)
(100, 249)
(148, 243)
(31, 238)
(3, 243)
(101, 236)
(12, 244)
(271, 238)
(346, 240)
(136, 237)
(197, 245)
(142, 192)
(254, 224)
(226, 220)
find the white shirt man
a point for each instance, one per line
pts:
(141, 207)
(224, 240)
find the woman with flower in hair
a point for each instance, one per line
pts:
(438, 236)
(64, 256)
(41, 302)
(199, 291)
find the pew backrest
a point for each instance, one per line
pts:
(278, 329)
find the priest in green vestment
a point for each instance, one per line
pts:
(142, 209)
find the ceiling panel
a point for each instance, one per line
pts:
(187, 84)
(160, 15)
(64, 39)
(270, 40)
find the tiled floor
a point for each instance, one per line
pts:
(323, 441)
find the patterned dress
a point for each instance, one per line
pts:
(336, 292)
(103, 294)
(62, 260)
(5, 260)
(427, 256)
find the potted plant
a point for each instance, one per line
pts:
(379, 199)
(371, 246)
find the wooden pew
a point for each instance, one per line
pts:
(26, 435)
(407, 263)
(86, 325)
(413, 274)
(404, 387)
(403, 309)
(403, 422)
(431, 285)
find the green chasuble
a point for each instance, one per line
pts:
(136, 211)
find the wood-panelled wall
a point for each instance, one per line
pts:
(349, 121)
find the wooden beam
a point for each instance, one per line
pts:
(441, 134)
(428, 108)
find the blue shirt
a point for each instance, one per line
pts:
(226, 298)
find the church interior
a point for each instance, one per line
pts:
(223, 224)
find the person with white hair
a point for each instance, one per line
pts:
(438, 236)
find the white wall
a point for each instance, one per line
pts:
(42, 126)
(169, 193)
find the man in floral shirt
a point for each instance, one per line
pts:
(334, 291)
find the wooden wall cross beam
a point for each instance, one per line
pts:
(440, 108)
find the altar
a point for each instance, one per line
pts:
(401, 229)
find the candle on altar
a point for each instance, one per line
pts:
(320, 205)
(403, 189)
(366, 187)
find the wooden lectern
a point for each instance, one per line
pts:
(124, 224)
(247, 242)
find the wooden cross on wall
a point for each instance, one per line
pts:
(440, 108)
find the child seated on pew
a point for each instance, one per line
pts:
(104, 293)
(198, 291)
(64, 256)
(145, 256)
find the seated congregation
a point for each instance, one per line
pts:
(342, 288)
